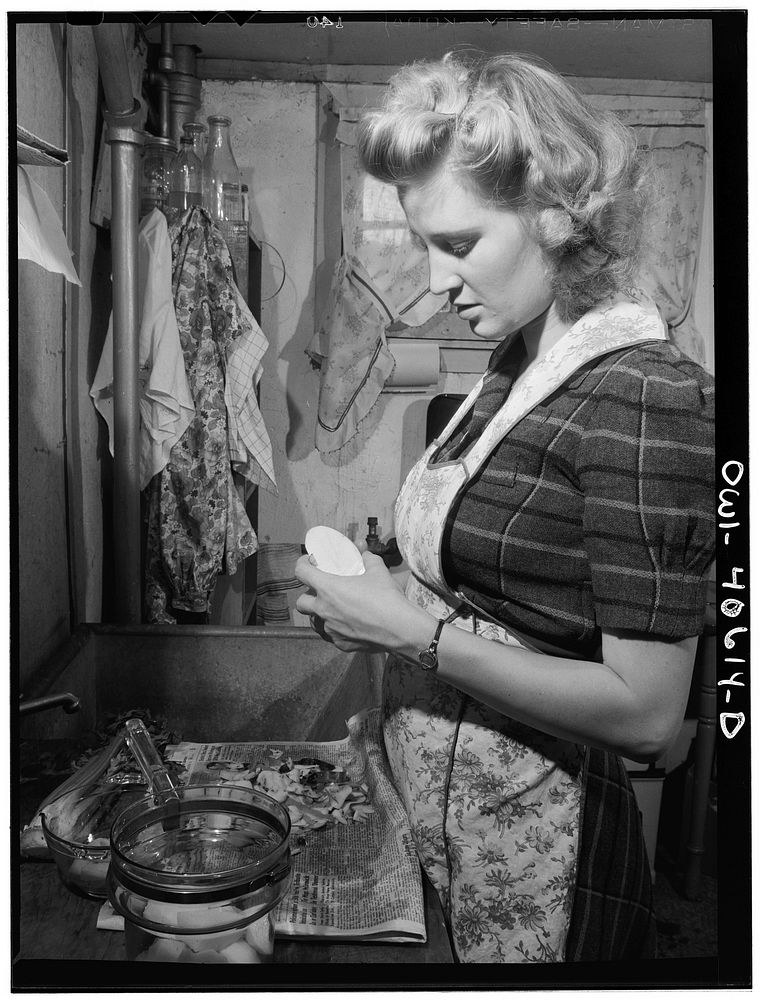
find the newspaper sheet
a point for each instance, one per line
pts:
(357, 880)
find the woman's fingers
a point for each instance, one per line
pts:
(373, 563)
(346, 610)
(308, 573)
(305, 603)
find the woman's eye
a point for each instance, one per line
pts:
(454, 249)
(461, 249)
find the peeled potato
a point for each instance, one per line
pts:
(212, 942)
(240, 953)
(260, 936)
(164, 914)
(333, 552)
(205, 958)
(164, 950)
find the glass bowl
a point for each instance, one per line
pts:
(198, 877)
(77, 826)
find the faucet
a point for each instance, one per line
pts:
(388, 551)
(69, 702)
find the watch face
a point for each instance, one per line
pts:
(428, 660)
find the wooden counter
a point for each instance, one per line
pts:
(58, 944)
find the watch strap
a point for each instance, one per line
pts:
(429, 658)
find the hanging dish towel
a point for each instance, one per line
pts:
(380, 284)
(40, 234)
(197, 524)
(351, 349)
(249, 444)
(165, 401)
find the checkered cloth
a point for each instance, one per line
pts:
(612, 917)
(249, 444)
(597, 511)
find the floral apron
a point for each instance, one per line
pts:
(494, 805)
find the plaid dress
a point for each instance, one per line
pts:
(523, 511)
(597, 511)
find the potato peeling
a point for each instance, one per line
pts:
(314, 792)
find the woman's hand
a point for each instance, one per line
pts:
(631, 703)
(360, 612)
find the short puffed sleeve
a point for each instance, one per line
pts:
(646, 467)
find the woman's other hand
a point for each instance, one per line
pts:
(359, 612)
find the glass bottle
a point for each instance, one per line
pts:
(155, 174)
(222, 188)
(185, 178)
(196, 132)
(243, 236)
(222, 195)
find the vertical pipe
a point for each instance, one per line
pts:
(185, 90)
(113, 66)
(125, 143)
(162, 79)
(121, 116)
(166, 62)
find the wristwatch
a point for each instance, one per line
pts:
(428, 658)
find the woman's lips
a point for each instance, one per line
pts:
(465, 311)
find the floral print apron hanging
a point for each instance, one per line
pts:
(494, 805)
(197, 526)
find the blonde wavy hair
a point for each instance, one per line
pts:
(527, 140)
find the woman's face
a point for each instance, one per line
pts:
(480, 254)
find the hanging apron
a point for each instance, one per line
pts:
(494, 805)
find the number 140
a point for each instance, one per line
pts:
(314, 22)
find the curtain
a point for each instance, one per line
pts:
(674, 138)
(380, 284)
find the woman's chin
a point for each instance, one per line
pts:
(486, 330)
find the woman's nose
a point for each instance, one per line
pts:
(442, 276)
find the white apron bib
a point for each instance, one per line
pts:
(494, 806)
